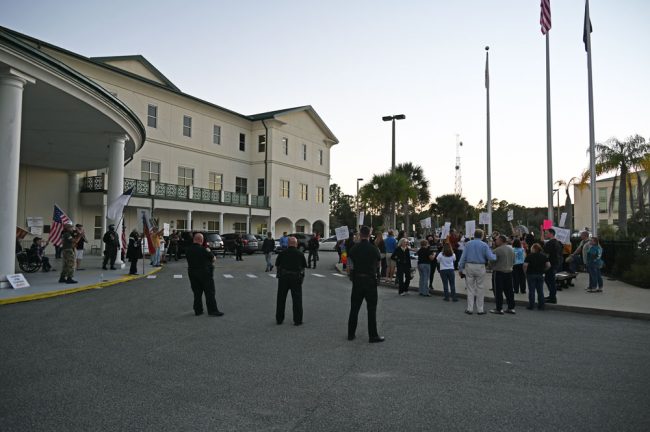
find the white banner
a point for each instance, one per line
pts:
(342, 233)
(484, 218)
(511, 215)
(562, 235)
(470, 227)
(445, 230)
(34, 222)
(562, 219)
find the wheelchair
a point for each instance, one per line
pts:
(27, 263)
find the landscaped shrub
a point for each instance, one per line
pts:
(639, 272)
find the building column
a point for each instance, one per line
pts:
(189, 220)
(293, 227)
(116, 181)
(12, 83)
(221, 231)
(73, 196)
(248, 224)
(325, 233)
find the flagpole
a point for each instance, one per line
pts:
(489, 173)
(549, 152)
(592, 139)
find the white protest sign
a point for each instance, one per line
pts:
(36, 230)
(484, 218)
(562, 219)
(360, 218)
(34, 222)
(166, 229)
(562, 235)
(426, 223)
(445, 230)
(17, 281)
(470, 227)
(511, 215)
(342, 233)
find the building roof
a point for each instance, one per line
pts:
(168, 85)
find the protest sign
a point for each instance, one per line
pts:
(511, 215)
(484, 218)
(470, 227)
(562, 220)
(342, 233)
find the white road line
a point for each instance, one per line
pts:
(252, 276)
(272, 275)
(228, 276)
(317, 275)
(178, 276)
(338, 274)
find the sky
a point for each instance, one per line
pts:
(356, 61)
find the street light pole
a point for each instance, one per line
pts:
(392, 166)
(357, 198)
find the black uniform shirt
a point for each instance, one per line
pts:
(291, 260)
(365, 256)
(198, 258)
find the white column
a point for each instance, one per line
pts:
(73, 196)
(12, 83)
(293, 228)
(325, 233)
(221, 230)
(248, 224)
(116, 181)
(189, 220)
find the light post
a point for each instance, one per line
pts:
(558, 205)
(375, 186)
(392, 166)
(357, 196)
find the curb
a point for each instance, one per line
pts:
(548, 306)
(44, 295)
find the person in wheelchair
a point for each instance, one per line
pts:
(37, 254)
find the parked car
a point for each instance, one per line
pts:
(328, 244)
(303, 240)
(249, 240)
(214, 241)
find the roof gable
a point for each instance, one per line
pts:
(307, 109)
(138, 65)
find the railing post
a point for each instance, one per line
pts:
(190, 192)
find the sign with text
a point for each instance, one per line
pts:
(562, 235)
(342, 233)
(360, 218)
(511, 215)
(470, 227)
(166, 229)
(562, 219)
(445, 230)
(484, 218)
(17, 281)
(34, 222)
(547, 224)
(426, 223)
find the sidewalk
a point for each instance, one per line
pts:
(617, 299)
(44, 285)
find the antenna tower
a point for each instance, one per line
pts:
(458, 187)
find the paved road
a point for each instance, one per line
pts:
(134, 357)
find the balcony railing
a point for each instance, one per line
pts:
(235, 198)
(172, 191)
(93, 184)
(259, 201)
(141, 187)
(206, 195)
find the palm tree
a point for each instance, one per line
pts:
(621, 157)
(452, 208)
(568, 207)
(384, 190)
(419, 183)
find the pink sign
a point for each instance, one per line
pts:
(548, 224)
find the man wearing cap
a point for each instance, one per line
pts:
(69, 242)
(112, 245)
(291, 264)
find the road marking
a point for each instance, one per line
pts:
(178, 276)
(228, 276)
(338, 274)
(151, 277)
(272, 275)
(317, 275)
(252, 276)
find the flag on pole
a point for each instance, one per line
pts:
(59, 219)
(21, 233)
(586, 36)
(115, 209)
(545, 15)
(147, 234)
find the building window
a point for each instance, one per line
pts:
(320, 195)
(284, 188)
(602, 200)
(181, 224)
(241, 185)
(150, 170)
(97, 228)
(216, 134)
(187, 126)
(213, 226)
(304, 195)
(152, 116)
(185, 176)
(304, 152)
(261, 189)
(242, 142)
(239, 227)
(261, 143)
(300, 228)
(285, 146)
(320, 157)
(215, 181)
(262, 229)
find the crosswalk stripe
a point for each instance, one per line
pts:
(317, 275)
(272, 275)
(228, 276)
(252, 276)
(338, 274)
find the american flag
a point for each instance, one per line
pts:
(545, 15)
(58, 220)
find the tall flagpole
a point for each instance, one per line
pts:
(489, 169)
(549, 152)
(592, 137)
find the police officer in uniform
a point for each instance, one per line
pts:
(69, 242)
(364, 259)
(112, 244)
(200, 267)
(291, 266)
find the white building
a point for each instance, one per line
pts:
(202, 167)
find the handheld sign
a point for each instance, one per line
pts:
(484, 218)
(470, 227)
(17, 281)
(562, 220)
(547, 224)
(511, 215)
(342, 233)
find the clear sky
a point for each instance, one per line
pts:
(356, 61)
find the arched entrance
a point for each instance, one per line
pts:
(283, 225)
(319, 227)
(303, 226)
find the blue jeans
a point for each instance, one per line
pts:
(595, 278)
(424, 270)
(448, 282)
(269, 261)
(535, 285)
(549, 278)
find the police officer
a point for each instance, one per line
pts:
(112, 244)
(134, 251)
(291, 266)
(364, 259)
(200, 266)
(69, 242)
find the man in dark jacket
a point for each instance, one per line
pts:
(268, 246)
(111, 246)
(200, 267)
(553, 250)
(291, 265)
(313, 245)
(134, 251)
(364, 258)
